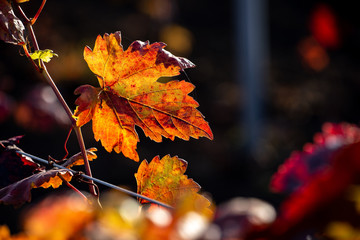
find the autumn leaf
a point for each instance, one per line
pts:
(130, 94)
(11, 28)
(164, 180)
(19, 192)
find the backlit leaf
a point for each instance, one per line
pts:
(44, 55)
(130, 95)
(11, 28)
(164, 180)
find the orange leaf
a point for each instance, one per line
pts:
(131, 95)
(164, 180)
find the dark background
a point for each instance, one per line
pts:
(296, 97)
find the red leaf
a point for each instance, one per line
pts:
(325, 182)
(324, 26)
(300, 167)
(323, 199)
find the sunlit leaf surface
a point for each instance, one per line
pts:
(130, 95)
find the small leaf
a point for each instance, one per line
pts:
(11, 28)
(44, 55)
(77, 159)
(164, 180)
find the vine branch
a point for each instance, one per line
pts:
(43, 70)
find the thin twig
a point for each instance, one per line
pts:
(65, 144)
(131, 193)
(86, 162)
(27, 20)
(33, 20)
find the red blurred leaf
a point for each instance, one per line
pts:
(324, 195)
(324, 26)
(11, 28)
(300, 167)
(323, 200)
(131, 95)
(164, 180)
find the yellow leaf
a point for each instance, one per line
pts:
(44, 55)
